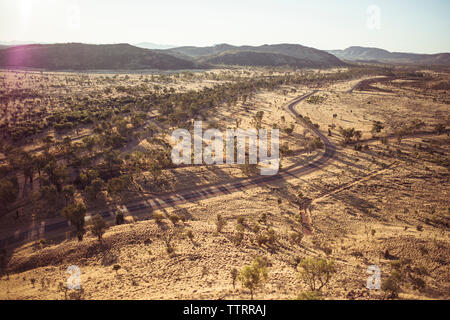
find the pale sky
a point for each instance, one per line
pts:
(396, 25)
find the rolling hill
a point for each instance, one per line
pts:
(265, 55)
(77, 56)
(384, 56)
(252, 58)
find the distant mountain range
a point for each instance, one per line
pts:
(383, 56)
(266, 55)
(78, 56)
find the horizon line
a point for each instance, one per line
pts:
(23, 43)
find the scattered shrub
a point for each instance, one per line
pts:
(316, 272)
(174, 218)
(254, 275)
(190, 235)
(296, 237)
(234, 275)
(120, 219)
(220, 223)
(98, 226)
(391, 286)
(75, 213)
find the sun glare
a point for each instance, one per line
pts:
(26, 8)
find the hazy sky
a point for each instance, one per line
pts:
(395, 25)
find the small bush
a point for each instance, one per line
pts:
(98, 226)
(268, 238)
(296, 237)
(254, 275)
(174, 218)
(271, 236)
(261, 239)
(316, 100)
(391, 286)
(238, 238)
(116, 268)
(119, 218)
(190, 235)
(316, 272)
(220, 223)
(167, 238)
(263, 218)
(241, 220)
(418, 283)
(234, 275)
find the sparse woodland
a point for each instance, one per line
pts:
(76, 145)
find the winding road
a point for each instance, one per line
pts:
(156, 202)
(160, 201)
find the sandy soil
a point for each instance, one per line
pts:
(391, 197)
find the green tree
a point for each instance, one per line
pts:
(49, 193)
(57, 174)
(119, 217)
(75, 213)
(377, 126)
(98, 226)
(253, 276)
(348, 134)
(257, 119)
(68, 192)
(316, 272)
(115, 187)
(96, 186)
(40, 161)
(27, 165)
(9, 189)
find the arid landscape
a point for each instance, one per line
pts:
(209, 155)
(102, 140)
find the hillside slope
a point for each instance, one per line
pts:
(251, 58)
(381, 55)
(77, 56)
(303, 56)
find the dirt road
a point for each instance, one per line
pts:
(34, 232)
